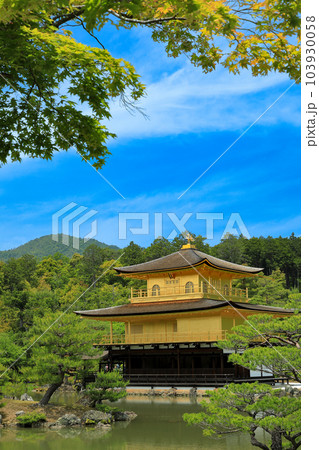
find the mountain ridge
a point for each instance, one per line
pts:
(44, 246)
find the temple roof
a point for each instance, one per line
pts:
(132, 309)
(101, 356)
(185, 258)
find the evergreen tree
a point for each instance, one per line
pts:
(230, 249)
(61, 343)
(268, 344)
(107, 386)
(132, 254)
(158, 248)
(247, 407)
(93, 257)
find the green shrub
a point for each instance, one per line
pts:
(90, 422)
(27, 420)
(106, 422)
(107, 386)
(107, 409)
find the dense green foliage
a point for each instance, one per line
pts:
(2, 404)
(107, 386)
(107, 408)
(33, 294)
(30, 289)
(268, 290)
(46, 73)
(59, 351)
(246, 407)
(45, 246)
(14, 389)
(267, 344)
(28, 420)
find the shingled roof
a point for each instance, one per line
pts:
(183, 259)
(132, 309)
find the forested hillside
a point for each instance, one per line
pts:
(46, 246)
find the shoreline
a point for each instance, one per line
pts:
(186, 391)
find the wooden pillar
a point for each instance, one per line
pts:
(128, 338)
(129, 364)
(222, 362)
(111, 332)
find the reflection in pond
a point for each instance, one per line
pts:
(159, 425)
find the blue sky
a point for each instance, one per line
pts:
(192, 119)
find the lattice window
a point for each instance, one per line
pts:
(189, 287)
(156, 290)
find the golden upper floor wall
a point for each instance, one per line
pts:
(188, 284)
(186, 281)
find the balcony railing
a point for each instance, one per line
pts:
(183, 292)
(164, 338)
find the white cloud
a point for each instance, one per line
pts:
(189, 101)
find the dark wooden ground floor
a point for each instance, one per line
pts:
(174, 365)
(174, 361)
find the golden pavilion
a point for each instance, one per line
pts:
(172, 325)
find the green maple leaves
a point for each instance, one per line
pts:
(56, 93)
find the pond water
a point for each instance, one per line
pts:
(159, 425)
